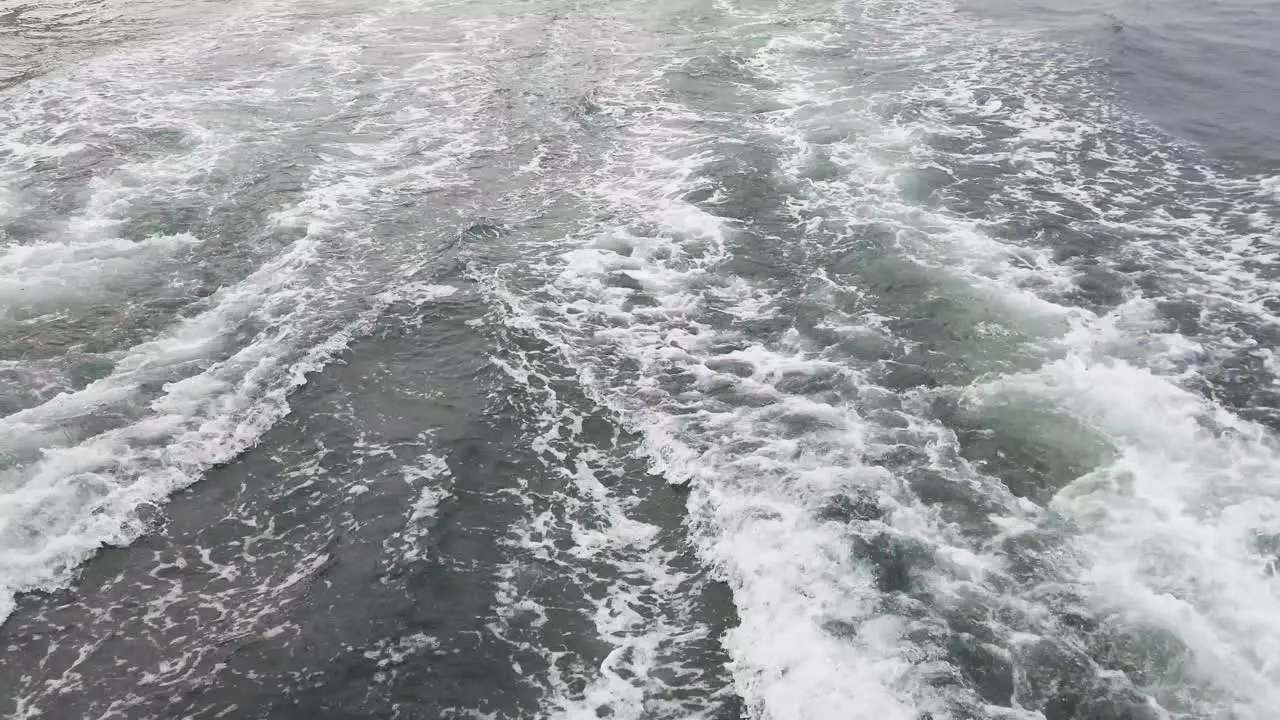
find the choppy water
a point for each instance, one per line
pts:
(718, 359)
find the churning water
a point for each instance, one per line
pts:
(789, 360)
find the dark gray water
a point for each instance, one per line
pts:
(719, 359)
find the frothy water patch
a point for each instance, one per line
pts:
(1007, 123)
(384, 151)
(1172, 531)
(629, 314)
(944, 359)
(88, 466)
(869, 524)
(592, 550)
(52, 276)
(309, 538)
(63, 503)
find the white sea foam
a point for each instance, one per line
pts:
(61, 507)
(718, 408)
(1170, 531)
(638, 598)
(430, 479)
(1170, 510)
(1270, 186)
(756, 493)
(79, 466)
(44, 276)
(1176, 530)
(755, 483)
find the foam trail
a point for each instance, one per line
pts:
(1174, 532)
(89, 465)
(57, 274)
(754, 504)
(642, 597)
(857, 591)
(1168, 492)
(967, 426)
(61, 507)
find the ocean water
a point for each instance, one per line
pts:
(720, 359)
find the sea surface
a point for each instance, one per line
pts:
(666, 360)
